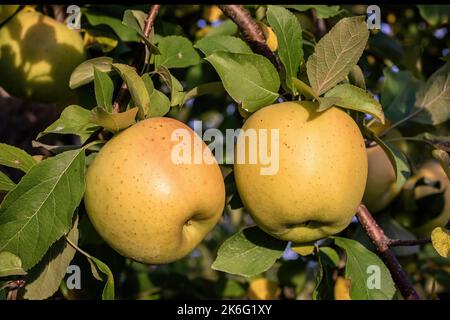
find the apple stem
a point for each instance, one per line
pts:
(383, 243)
(251, 31)
(139, 58)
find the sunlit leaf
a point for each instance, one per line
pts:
(113, 122)
(84, 73)
(250, 79)
(336, 53)
(441, 241)
(136, 86)
(176, 52)
(73, 120)
(290, 42)
(44, 279)
(360, 264)
(104, 89)
(39, 210)
(10, 265)
(352, 97)
(248, 253)
(210, 45)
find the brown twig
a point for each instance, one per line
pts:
(382, 242)
(415, 242)
(59, 12)
(251, 31)
(138, 60)
(321, 25)
(13, 287)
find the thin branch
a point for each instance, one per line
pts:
(59, 12)
(251, 31)
(139, 58)
(400, 242)
(396, 124)
(381, 242)
(13, 286)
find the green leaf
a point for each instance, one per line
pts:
(398, 160)
(175, 87)
(304, 89)
(248, 253)
(328, 260)
(73, 120)
(357, 269)
(398, 94)
(205, 88)
(354, 98)
(135, 19)
(176, 52)
(136, 86)
(10, 265)
(104, 89)
(84, 73)
(124, 32)
(290, 42)
(388, 47)
(54, 149)
(113, 122)
(39, 210)
(159, 103)
(102, 40)
(440, 238)
(250, 79)
(434, 97)
(323, 11)
(356, 77)
(43, 280)
(210, 45)
(98, 268)
(336, 53)
(444, 160)
(327, 102)
(6, 184)
(14, 157)
(435, 14)
(226, 28)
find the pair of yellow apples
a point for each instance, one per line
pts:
(153, 210)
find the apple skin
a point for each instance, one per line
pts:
(321, 177)
(144, 205)
(263, 289)
(381, 186)
(38, 55)
(7, 10)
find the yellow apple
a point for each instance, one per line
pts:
(37, 56)
(263, 289)
(7, 10)
(271, 38)
(144, 204)
(321, 176)
(342, 289)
